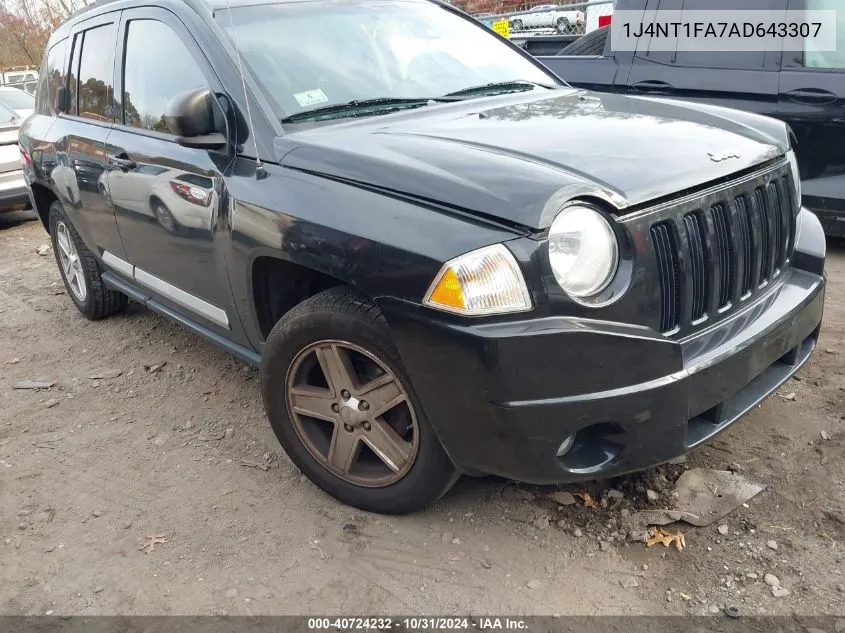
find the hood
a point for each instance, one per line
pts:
(518, 158)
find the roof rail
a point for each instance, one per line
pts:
(91, 5)
(199, 6)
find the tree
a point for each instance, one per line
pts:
(25, 27)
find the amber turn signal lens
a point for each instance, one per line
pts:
(485, 281)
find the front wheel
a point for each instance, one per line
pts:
(343, 408)
(517, 25)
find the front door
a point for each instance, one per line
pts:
(812, 101)
(168, 199)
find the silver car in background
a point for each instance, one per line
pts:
(13, 191)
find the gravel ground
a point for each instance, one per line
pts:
(151, 431)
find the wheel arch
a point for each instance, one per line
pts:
(43, 198)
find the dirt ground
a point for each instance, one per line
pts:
(92, 466)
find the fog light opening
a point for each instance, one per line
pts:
(568, 443)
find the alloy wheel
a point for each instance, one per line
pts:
(70, 263)
(352, 413)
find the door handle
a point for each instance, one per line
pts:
(653, 86)
(811, 95)
(122, 161)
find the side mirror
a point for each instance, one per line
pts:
(63, 100)
(190, 116)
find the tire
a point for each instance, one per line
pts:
(164, 217)
(517, 25)
(341, 315)
(98, 301)
(590, 44)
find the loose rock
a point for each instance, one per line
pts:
(605, 546)
(628, 582)
(723, 529)
(541, 523)
(98, 589)
(22, 526)
(615, 494)
(43, 250)
(780, 592)
(562, 497)
(752, 575)
(533, 584)
(652, 495)
(772, 544)
(52, 402)
(107, 374)
(771, 580)
(577, 533)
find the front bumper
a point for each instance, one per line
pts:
(503, 397)
(14, 194)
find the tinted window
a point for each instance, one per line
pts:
(154, 74)
(96, 72)
(729, 60)
(827, 59)
(54, 76)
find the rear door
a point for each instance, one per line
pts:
(167, 198)
(812, 101)
(77, 160)
(743, 80)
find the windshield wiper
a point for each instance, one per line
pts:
(498, 87)
(361, 107)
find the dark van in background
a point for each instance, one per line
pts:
(804, 88)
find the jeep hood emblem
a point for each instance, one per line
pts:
(718, 158)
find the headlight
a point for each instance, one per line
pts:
(796, 174)
(486, 281)
(583, 251)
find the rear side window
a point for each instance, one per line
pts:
(74, 73)
(96, 74)
(152, 75)
(53, 76)
(827, 59)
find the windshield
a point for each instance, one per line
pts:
(6, 115)
(319, 53)
(17, 99)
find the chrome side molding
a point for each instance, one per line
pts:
(178, 296)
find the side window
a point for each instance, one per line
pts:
(74, 73)
(96, 73)
(827, 59)
(53, 76)
(750, 60)
(152, 75)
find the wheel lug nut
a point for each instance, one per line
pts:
(345, 394)
(349, 428)
(366, 426)
(335, 407)
(364, 405)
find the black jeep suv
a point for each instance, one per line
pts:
(444, 259)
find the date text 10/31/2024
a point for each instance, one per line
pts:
(416, 624)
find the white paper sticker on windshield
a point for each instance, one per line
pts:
(311, 97)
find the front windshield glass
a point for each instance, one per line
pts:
(17, 99)
(318, 53)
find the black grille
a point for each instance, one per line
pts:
(724, 252)
(745, 239)
(666, 250)
(696, 230)
(723, 248)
